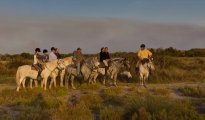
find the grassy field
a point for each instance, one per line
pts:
(175, 92)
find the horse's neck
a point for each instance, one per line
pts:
(67, 60)
(117, 65)
(86, 65)
(144, 66)
(51, 65)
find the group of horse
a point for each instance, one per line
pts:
(90, 70)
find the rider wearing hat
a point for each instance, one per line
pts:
(78, 58)
(143, 54)
(38, 62)
(45, 55)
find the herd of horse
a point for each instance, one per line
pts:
(90, 70)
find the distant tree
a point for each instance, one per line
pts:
(26, 55)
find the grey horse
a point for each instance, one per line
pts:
(117, 66)
(88, 67)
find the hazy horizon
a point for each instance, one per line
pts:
(121, 26)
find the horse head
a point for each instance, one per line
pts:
(93, 61)
(61, 64)
(150, 65)
(126, 63)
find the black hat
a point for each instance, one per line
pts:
(38, 50)
(45, 51)
(142, 45)
(79, 49)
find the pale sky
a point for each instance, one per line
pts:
(122, 25)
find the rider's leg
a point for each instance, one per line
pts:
(39, 71)
(105, 63)
(78, 68)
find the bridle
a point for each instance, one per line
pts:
(58, 66)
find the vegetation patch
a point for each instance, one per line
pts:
(193, 91)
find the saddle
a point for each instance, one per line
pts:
(33, 67)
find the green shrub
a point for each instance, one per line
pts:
(193, 92)
(111, 113)
(159, 108)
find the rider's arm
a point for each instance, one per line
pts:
(139, 55)
(149, 53)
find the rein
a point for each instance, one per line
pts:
(55, 67)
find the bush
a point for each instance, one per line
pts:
(159, 108)
(111, 113)
(193, 92)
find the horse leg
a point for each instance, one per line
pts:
(115, 79)
(146, 78)
(104, 79)
(19, 84)
(67, 77)
(31, 83)
(141, 79)
(95, 77)
(42, 83)
(45, 82)
(51, 83)
(36, 83)
(62, 77)
(23, 83)
(72, 80)
(54, 82)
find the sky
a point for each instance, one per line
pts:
(32, 22)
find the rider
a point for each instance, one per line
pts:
(78, 59)
(38, 62)
(45, 55)
(143, 54)
(102, 54)
(52, 55)
(57, 53)
(106, 56)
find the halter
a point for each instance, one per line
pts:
(58, 67)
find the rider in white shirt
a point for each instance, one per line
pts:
(52, 55)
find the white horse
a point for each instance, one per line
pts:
(25, 71)
(144, 70)
(55, 73)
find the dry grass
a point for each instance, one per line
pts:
(193, 91)
(106, 103)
